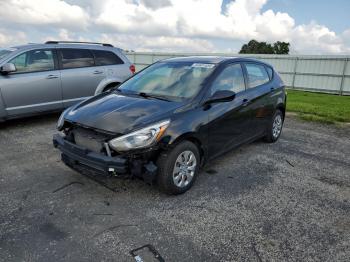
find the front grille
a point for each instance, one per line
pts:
(90, 139)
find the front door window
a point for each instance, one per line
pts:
(34, 61)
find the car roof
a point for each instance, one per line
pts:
(212, 59)
(66, 45)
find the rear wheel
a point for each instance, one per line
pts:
(275, 127)
(178, 168)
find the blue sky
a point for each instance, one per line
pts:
(334, 14)
(311, 27)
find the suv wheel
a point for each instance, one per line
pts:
(275, 127)
(178, 168)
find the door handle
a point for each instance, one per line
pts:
(98, 72)
(51, 76)
(245, 102)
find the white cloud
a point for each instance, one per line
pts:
(65, 35)
(243, 20)
(166, 25)
(155, 4)
(163, 43)
(314, 39)
(8, 37)
(47, 12)
(346, 38)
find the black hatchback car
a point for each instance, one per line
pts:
(165, 122)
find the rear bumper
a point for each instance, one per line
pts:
(80, 158)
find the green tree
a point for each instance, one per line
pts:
(255, 47)
(281, 48)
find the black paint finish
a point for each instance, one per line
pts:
(215, 127)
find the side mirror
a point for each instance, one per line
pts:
(221, 96)
(8, 68)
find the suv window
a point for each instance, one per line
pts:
(34, 61)
(106, 58)
(75, 58)
(231, 78)
(257, 75)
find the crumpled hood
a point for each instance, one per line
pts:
(120, 114)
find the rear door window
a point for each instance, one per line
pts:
(76, 58)
(106, 58)
(34, 61)
(257, 75)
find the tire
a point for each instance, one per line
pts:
(174, 182)
(274, 128)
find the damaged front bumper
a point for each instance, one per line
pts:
(80, 159)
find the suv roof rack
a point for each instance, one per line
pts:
(77, 42)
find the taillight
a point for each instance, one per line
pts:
(132, 69)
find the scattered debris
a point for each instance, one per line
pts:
(289, 163)
(103, 214)
(67, 185)
(231, 177)
(107, 203)
(146, 252)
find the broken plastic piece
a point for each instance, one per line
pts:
(147, 250)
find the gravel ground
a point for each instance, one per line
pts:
(288, 201)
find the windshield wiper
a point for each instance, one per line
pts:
(160, 97)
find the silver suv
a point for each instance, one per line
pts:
(46, 77)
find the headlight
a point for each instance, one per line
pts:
(141, 138)
(60, 121)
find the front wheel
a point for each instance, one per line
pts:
(178, 168)
(275, 127)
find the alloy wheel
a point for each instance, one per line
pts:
(184, 168)
(277, 126)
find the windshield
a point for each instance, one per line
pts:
(174, 80)
(5, 52)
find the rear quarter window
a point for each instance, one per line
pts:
(269, 71)
(76, 58)
(106, 58)
(257, 75)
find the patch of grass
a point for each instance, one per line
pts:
(325, 108)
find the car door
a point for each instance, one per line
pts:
(79, 74)
(228, 121)
(35, 86)
(258, 94)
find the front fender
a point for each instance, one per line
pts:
(190, 125)
(105, 82)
